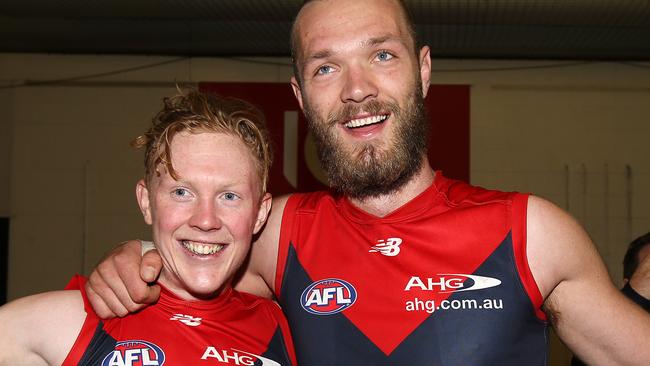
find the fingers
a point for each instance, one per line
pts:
(102, 297)
(115, 286)
(151, 266)
(99, 305)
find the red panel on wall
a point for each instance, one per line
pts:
(447, 108)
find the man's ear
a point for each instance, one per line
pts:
(425, 69)
(263, 212)
(296, 90)
(142, 194)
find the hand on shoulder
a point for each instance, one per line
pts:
(121, 283)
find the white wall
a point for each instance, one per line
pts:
(578, 138)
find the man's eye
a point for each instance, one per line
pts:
(180, 192)
(384, 56)
(326, 69)
(230, 196)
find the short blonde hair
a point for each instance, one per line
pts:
(197, 112)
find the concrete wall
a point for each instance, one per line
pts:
(574, 134)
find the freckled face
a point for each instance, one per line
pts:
(203, 222)
(362, 89)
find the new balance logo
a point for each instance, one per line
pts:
(187, 319)
(389, 247)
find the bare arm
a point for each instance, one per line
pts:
(259, 275)
(588, 312)
(40, 329)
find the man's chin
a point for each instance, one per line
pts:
(203, 287)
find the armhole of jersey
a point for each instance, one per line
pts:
(87, 329)
(519, 219)
(286, 228)
(286, 333)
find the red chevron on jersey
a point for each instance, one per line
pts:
(447, 256)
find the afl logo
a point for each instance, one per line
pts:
(135, 353)
(328, 296)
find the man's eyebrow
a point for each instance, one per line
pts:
(319, 55)
(380, 40)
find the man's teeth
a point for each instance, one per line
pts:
(365, 121)
(201, 248)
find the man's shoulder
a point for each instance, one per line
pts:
(46, 304)
(256, 304)
(310, 201)
(249, 300)
(457, 192)
(57, 315)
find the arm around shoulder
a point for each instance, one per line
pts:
(259, 271)
(40, 329)
(588, 312)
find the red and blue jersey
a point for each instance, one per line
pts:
(443, 280)
(233, 329)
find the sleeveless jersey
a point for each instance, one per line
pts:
(443, 280)
(233, 329)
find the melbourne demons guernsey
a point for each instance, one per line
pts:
(443, 280)
(233, 329)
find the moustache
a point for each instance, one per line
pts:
(348, 111)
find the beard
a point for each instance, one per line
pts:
(370, 170)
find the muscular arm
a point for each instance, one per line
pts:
(589, 314)
(259, 274)
(40, 329)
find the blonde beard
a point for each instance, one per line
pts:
(370, 170)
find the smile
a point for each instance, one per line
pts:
(360, 122)
(201, 248)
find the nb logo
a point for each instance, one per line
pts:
(187, 319)
(389, 247)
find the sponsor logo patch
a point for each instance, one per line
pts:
(135, 353)
(389, 247)
(236, 357)
(451, 282)
(328, 296)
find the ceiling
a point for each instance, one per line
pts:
(511, 29)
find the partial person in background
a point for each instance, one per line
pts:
(636, 276)
(397, 264)
(204, 194)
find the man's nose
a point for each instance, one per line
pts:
(206, 216)
(359, 85)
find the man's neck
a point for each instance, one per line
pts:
(383, 205)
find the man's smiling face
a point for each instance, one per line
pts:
(203, 221)
(361, 87)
